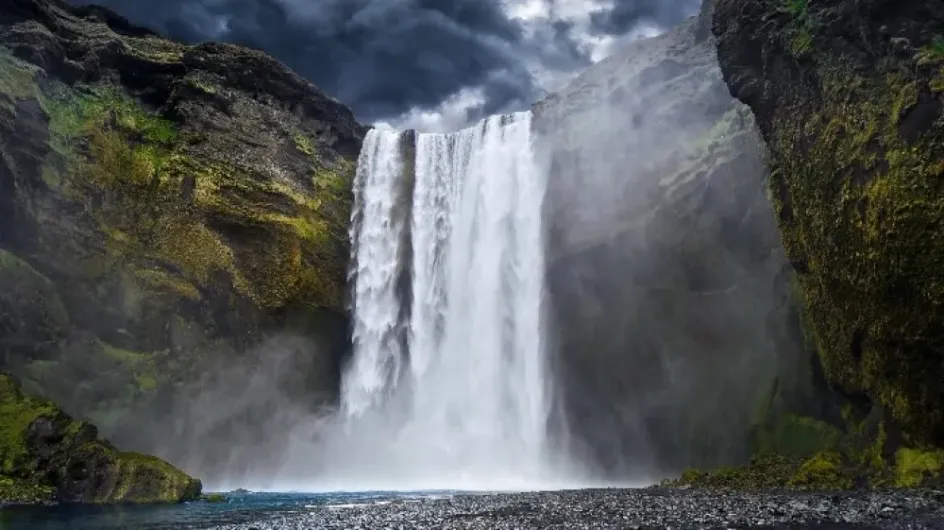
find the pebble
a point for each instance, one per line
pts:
(641, 509)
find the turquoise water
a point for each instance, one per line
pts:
(239, 508)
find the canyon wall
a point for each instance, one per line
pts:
(173, 231)
(668, 287)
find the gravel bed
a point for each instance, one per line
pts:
(646, 509)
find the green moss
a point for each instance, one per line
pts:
(801, 27)
(195, 249)
(861, 210)
(17, 79)
(214, 498)
(332, 182)
(106, 476)
(163, 281)
(766, 472)
(913, 467)
(77, 112)
(303, 144)
(17, 413)
(796, 436)
(933, 52)
(135, 163)
(821, 472)
(306, 225)
(201, 85)
(155, 49)
(144, 479)
(872, 456)
(140, 365)
(20, 491)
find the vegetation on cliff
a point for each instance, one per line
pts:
(849, 98)
(46, 455)
(162, 207)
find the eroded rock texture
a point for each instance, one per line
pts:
(165, 211)
(849, 97)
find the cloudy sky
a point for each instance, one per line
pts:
(425, 64)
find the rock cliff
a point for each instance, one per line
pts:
(669, 291)
(849, 96)
(164, 210)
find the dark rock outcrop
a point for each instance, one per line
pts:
(48, 456)
(849, 97)
(164, 209)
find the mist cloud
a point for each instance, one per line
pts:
(413, 61)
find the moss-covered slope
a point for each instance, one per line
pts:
(47, 456)
(849, 96)
(162, 208)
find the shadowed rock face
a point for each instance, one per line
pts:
(46, 455)
(163, 210)
(668, 286)
(849, 97)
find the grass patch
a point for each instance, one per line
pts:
(801, 27)
(303, 144)
(933, 52)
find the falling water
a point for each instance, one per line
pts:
(475, 337)
(377, 362)
(465, 404)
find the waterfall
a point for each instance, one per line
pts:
(376, 307)
(455, 395)
(475, 345)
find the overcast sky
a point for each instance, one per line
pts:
(427, 64)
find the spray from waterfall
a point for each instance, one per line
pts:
(448, 385)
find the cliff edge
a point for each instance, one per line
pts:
(849, 97)
(163, 209)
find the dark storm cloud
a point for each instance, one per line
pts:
(625, 14)
(385, 57)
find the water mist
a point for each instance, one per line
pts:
(448, 384)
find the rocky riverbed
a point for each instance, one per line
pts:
(648, 509)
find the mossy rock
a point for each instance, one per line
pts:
(766, 472)
(859, 457)
(855, 131)
(821, 472)
(19, 491)
(42, 450)
(214, 498)
(794, 435)
(170, 207)
(915, 467)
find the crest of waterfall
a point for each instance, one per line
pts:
(447, 385)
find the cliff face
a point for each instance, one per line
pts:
(668, 288)
(849, 97)
(163, 210)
